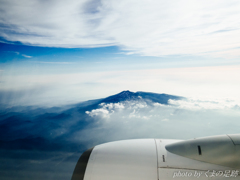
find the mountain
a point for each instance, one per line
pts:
(34, 139)
(124, 96)
(29, 123)
(128, 95)
(21, 125)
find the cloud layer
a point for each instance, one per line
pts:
(180, 119)
(154, 28)
(53, 138)
(142, 108)
(63, 88)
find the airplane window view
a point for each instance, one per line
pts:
(130, 89)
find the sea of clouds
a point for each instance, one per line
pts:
(66, 133)
(179, 119)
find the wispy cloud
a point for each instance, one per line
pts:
(154, 28)
(53, 62)
(26, 56)
(18, 53)
(13, 52)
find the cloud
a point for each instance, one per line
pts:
(26, 56)
(180, 119)
(106, 110)
(143, 109)
(152, 28)
(99, 112)
(53, 62)
(207, 83)
(57, 134)
(18, 53)
(196, 104)
(15, 52)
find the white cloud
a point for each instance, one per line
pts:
(196, 104)
(98, 112)
(18, 53)
(106, 110)
(182, 119)
(141, 110)
(112, 106)
(155, 28)
(53, 62)
(158, 104)
(26, 56)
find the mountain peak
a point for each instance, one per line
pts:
(128, 96)
(125, 93)
(122, 96)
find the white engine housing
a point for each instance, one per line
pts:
(157, 159)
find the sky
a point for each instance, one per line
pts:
(58, 52)
(54, 53)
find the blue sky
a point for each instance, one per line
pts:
(54, 53)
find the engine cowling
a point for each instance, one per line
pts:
(153, 159)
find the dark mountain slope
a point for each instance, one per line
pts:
(128, 95)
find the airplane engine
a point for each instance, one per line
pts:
(216, 157)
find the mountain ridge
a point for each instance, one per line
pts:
(22, 128)
(128, 95)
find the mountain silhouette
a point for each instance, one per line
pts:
(128, 95)
(23, 127)
(36, 139)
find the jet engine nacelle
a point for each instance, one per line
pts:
(216, 157)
